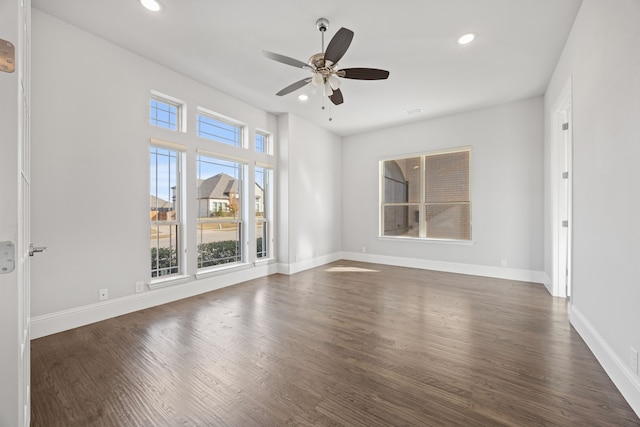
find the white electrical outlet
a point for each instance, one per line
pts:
(139, 287)
(103, 294)
(503, 263)
(634, 360)
(364, 249)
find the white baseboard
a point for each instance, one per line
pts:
(68, 319)
(625, 380)
(307, 264)
(547, 283)
(450, 267)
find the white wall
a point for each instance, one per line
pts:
(603, 60)
(311, 184)
(506, 181)
(90, 162)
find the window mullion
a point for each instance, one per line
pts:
(423, 188)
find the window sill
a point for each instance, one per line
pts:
(225, 269)
(427, 240)
(263, 261)
(169, 281)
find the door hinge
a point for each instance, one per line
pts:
(565, 175)
(565, 223)
(7, 257)
(565, 126)
(7, 56)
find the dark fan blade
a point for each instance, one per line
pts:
(363, 73)
(338, 45)
(295, 86)
(336, 97)
(286, 60)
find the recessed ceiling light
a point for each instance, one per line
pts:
(466, 39)
(303, 97)
(152, 5)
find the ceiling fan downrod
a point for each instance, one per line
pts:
(323, 26)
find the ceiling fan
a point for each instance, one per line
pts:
(324, 65)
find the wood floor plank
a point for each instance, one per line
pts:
(346, 344)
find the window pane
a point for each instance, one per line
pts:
(219, 188)
(401, 221)
(164, 214)
(260, 191)
(262, 194)
(261, 143)
(220, 131)
(402, 180)
(218, 243)
(261, 239)
(164, 249)
(449, 221)
(163, 114)
(447, 178)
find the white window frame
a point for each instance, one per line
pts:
(181, 110)
(178, 207)
(268, 137)
(422, 234)
(241, 219)
(226, 120)
(267, 219)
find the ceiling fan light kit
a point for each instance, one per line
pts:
(324, 65)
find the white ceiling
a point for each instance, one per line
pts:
(219, 42)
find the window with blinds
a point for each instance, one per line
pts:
(427, 196)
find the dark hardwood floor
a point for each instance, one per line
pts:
(347, 344)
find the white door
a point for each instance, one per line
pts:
(563, 211)
(561, 179)
(14, 212)
(565, 201)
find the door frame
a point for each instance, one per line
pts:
(15, 27)
(561, 198)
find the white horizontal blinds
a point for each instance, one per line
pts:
(448, 196)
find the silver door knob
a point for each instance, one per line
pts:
(35, 249)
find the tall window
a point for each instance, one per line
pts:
(263, 142)
(217, 129)
(164, 113)
(263, 211)
(166, 221)
(427, 196)
(220, 211)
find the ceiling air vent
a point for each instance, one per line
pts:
(413, 111)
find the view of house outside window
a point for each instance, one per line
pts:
(226, 224)
(263, 191)
(166, 225)
(427, 196)
(220, 211)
